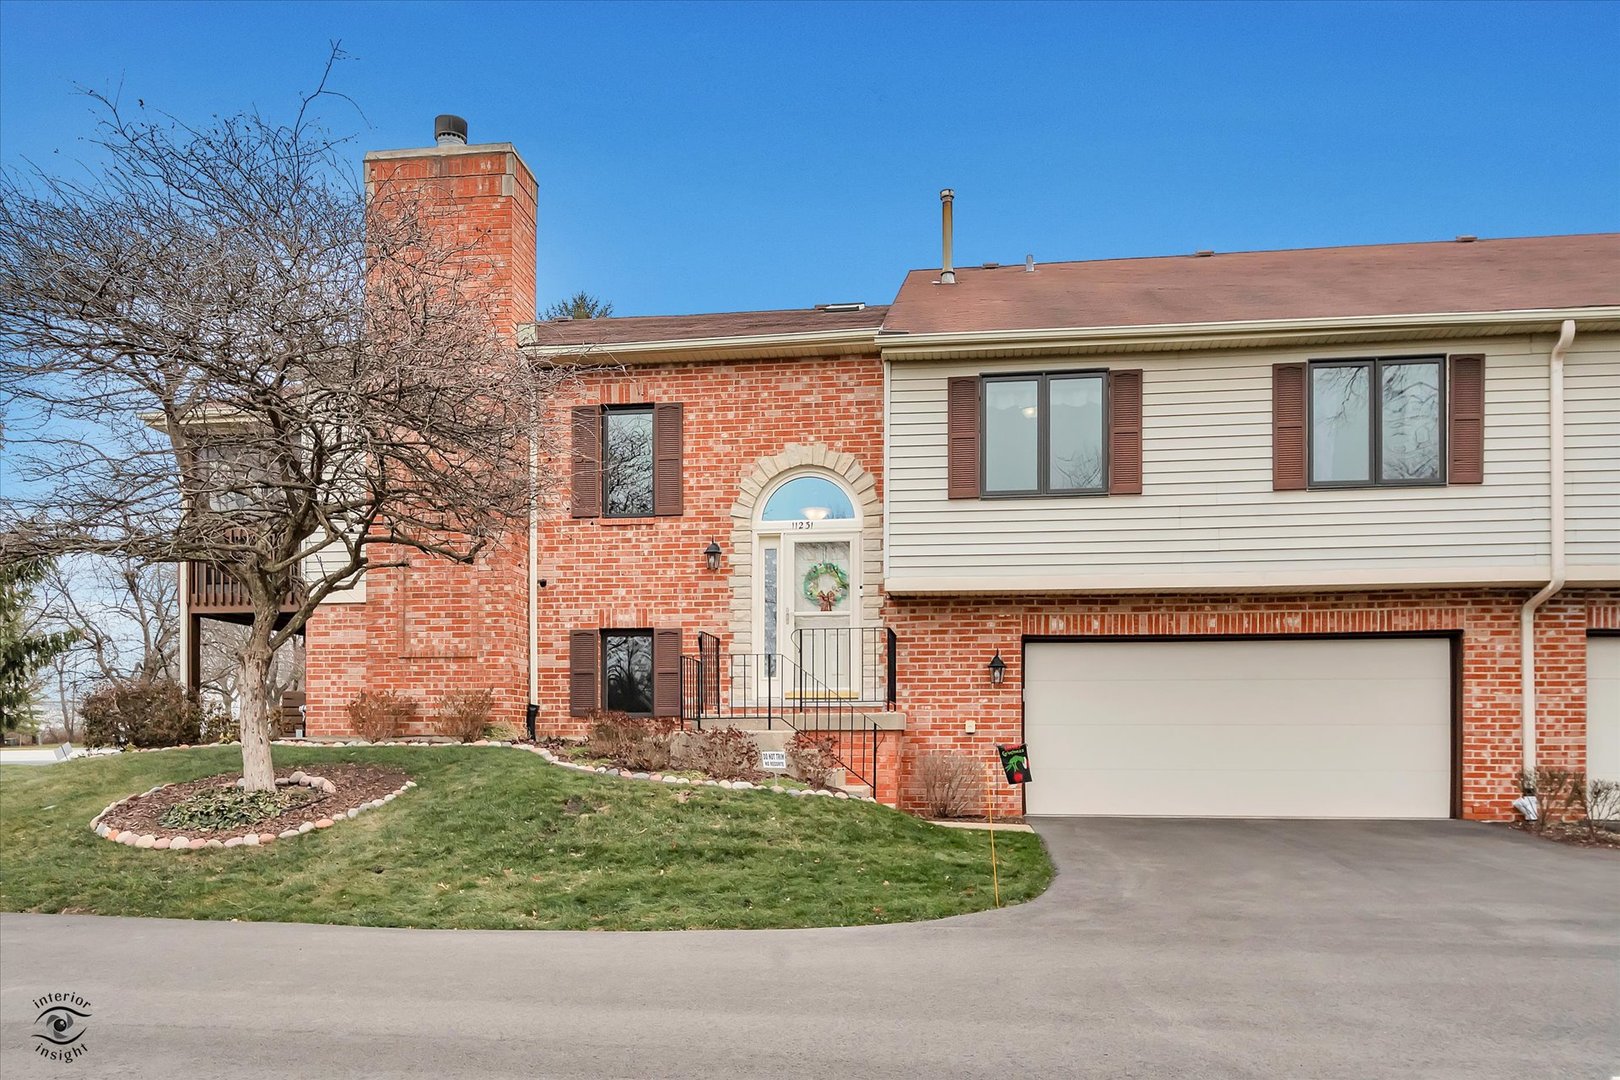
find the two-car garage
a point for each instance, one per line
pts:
(1345, 727)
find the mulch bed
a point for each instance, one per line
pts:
(355, 783)
(1578, 835)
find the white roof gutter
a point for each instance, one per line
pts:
(903, 346)
(529, 340)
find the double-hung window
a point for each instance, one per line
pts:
(1377, 422)
(627, 461)
(627, 671)
(1045, 434)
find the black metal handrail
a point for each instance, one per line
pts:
(769, 687)
(857, 661)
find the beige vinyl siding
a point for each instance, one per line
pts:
(1208, 513)
(1592, 451)
(333, 558)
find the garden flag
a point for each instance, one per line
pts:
(1015, 759)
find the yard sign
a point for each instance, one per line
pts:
(1015, 761)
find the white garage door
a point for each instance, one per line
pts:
(1603, 708)
(1353, 727)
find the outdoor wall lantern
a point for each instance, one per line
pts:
(998, 669)
(711, 555)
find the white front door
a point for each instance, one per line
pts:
(810, 607)
(807, 584)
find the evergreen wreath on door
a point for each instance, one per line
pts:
(826, 584)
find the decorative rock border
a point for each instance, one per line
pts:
(181, 842)
(661, 778)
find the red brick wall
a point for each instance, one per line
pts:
(438, 626)
(433, 626)
(650, 572)
(946, 643)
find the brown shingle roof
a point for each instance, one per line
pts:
(726, 324)
(1387, 279)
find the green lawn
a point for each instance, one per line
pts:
(495, 838)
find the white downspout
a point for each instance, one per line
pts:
(534, 559)
(1527, 614)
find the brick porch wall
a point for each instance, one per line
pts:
(945, 644)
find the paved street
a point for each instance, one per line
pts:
(1166, 949)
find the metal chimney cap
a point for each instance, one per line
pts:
(448, 129)
(946, 195)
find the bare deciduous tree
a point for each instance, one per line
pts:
(125, 615)
(220, 673)
(221, 349)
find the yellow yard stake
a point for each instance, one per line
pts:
(990, 820)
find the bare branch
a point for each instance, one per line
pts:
(222, 350)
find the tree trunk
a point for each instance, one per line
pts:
(253, 693)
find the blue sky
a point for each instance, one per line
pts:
(713, 157)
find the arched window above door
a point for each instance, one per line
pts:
(809, 498)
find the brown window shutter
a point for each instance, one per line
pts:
(666, 673)
(1465, 421)
(1288, 427)
(667, 452)
(584, 671)
(1125, 432)
(587, 493)
(962, 437)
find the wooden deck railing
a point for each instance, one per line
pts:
(211, 590)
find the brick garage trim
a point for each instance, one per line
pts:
(945, 643)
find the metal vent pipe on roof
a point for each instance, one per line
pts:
(449, 130)
(947, 271)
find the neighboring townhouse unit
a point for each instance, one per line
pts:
(1254, 533)
(1251, 534)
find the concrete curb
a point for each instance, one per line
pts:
(985, 826)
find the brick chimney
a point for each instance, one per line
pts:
(429, 626)
(493, 196)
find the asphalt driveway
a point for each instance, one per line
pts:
(1165, 949)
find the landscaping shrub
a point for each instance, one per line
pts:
(230, 808)
(637, 743)
(141, 715)
(952, 785)
(810, 758)
(1560, 793)
(464, 716)
(378, 716)
(723, 754)
(1599, 801)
